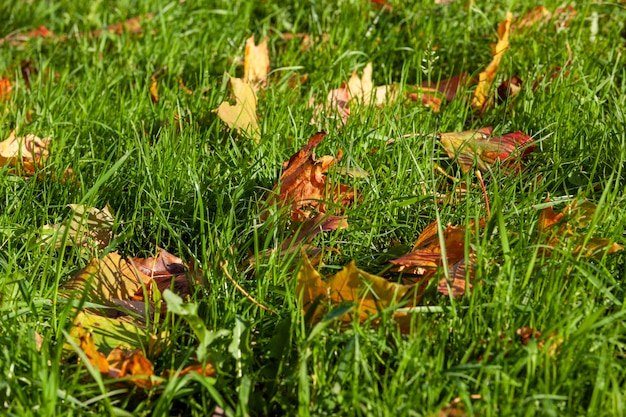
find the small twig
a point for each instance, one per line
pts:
(482, 186)
(223, 265)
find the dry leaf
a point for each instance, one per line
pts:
(154, 90)
(88, 227)
(369, 293)
(303, 184)
(242, 115)
(5, 89)
(486, 77)
(106, 279)
(425, 257)
(256, 64)
(26, 153)
(569, 227)
(479, 147)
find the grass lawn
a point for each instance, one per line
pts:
(543, 329)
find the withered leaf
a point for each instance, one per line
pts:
(88, 227)
(369, 293)
(303, 185)
(5, 89)
(242, 115)
(570, 226)
(485, 78)
(256, 63)
(479, 147)
(426, 256)
(26, 153)
(106, 279)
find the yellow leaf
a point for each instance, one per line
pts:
(370, 293)
(88, 226)
(106, 279)
(486, 77)
(256, 62)
(27, 152)
(242, 115)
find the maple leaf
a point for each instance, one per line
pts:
(304, 187)
(426, 258)
(88, 227)
(358, 89)
(478, 146)
(26, 153)
(485, 78)
(114, 281)
(369, 293)
(569, 226)
(242, 115)
(256, 63)
(432, 94)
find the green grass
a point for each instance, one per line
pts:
(196, 189)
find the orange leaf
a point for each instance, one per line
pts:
(303, 184)
(5, 89)
(88, 346)
(154, 90)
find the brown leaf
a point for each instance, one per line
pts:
(26, 153)
(480, 147)
(242, 115)
(486, 77)
(256, 64)
(526, 333)
(303, 184)
(426, 257)
(457, 282)
(541, 15)
(369, 293)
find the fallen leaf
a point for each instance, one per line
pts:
(242, 115)
(106, 279)
(26, 153)
(426, 256)
(360, 90)
(21, 39)
(256, 65)
(303, 185)
(369, 293)
(166, 271)
(480, 148)
(5, 89)
(508, 89)
(570, 227)
(154, 90)
(88, 227)
(486, 77)
(459, 278)
(541, 15)
(526, 333)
